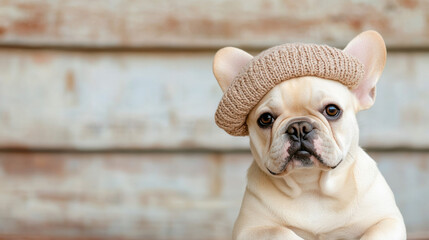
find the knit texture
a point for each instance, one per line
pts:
(276, 65)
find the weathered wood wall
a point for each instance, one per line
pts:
(106, 111)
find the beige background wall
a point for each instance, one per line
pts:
(106, 111)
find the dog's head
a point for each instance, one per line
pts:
(307, 121)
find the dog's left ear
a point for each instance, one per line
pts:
(369, 48)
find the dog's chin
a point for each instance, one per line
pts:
(299, 161)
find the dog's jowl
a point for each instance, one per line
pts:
(298, 105)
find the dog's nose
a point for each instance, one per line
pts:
(299, 130)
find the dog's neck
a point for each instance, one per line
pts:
(299, 181)
(307, 179)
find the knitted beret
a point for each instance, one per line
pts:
(278, 64)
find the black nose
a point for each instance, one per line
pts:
(299, 130)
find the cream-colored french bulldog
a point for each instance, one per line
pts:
(309, 178)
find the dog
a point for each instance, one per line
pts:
(309, 178)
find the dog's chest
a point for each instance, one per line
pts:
(311, 209)
(313, 216)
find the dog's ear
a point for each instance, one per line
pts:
(227, 63)
(369, 48)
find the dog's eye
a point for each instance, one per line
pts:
(332, 111)
(265, 120)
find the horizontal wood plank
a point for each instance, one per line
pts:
(194, 24)
(115, 100)
(158, 196)
(170, 196)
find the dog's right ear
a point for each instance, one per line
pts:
(227, 64)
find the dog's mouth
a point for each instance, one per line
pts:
(304, 154)
(302, 158)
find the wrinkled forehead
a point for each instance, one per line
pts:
(298, 93)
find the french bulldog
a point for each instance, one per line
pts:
(310, 179)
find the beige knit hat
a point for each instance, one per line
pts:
(278, 64)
